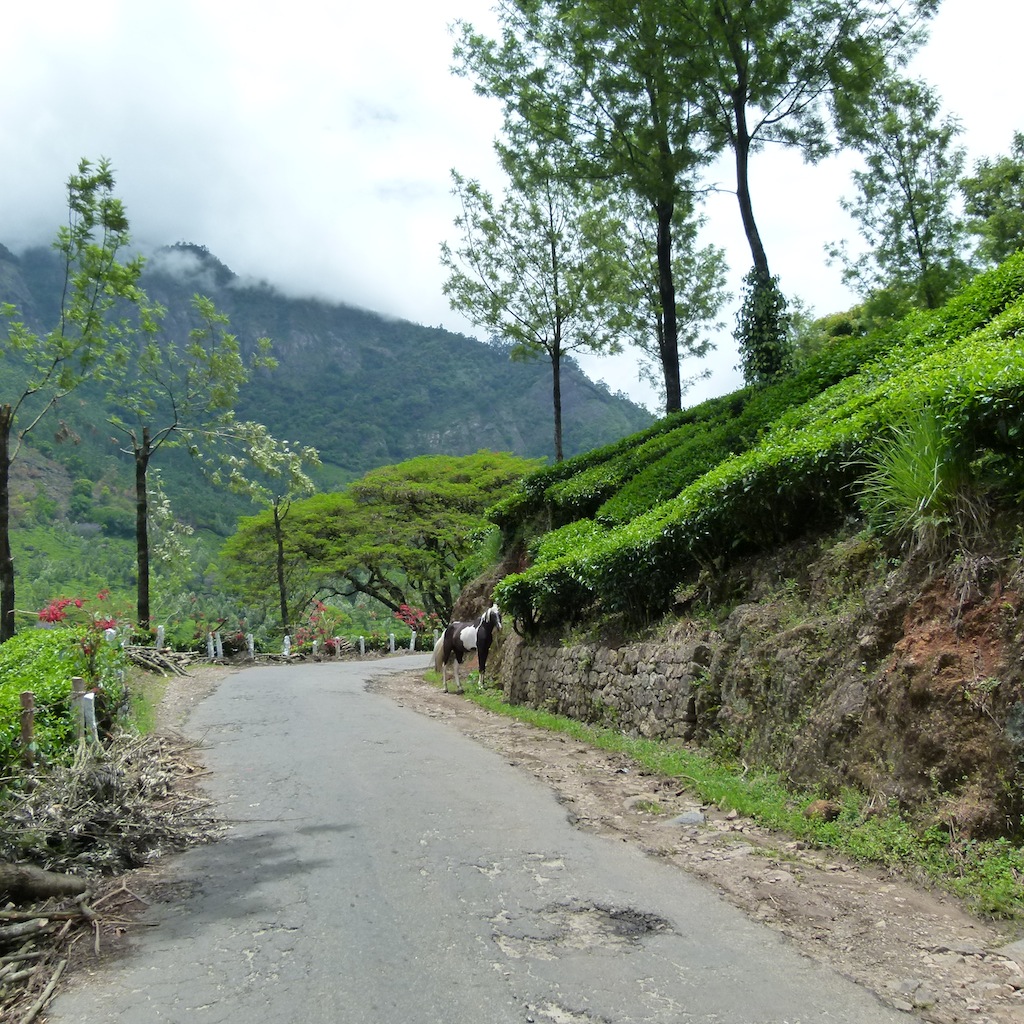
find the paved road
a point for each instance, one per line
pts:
(387, 870)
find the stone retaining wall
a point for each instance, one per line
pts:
(645, 689)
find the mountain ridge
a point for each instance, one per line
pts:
(365, 389)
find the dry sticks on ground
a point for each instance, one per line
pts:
(117, 806)
(37, 944)
(64, 831)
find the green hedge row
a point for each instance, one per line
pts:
(624, 479)
(44, 661)
(530, 500)
(801, 469)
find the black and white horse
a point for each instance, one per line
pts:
(462, 637)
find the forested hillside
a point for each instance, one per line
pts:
(364, 389)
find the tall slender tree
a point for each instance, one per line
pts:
(603, 80)
(649, 92)
(168, 394)
(700, 292)
(528, 272)
(905, 205)
(99, 301)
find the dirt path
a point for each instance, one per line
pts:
(919, 951)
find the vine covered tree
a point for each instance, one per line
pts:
(100, 302)
(783, 72)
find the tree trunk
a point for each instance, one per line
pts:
(142, 455)
(24, 882)
(669, 340)
(6, 559)
(742, 147)
(556, 397)
(281, 590)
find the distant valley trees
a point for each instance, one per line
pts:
(159, 391)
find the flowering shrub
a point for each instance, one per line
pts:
(417, 619)
(61, 610)
(90, 629)
(56, 611)
(323, 625)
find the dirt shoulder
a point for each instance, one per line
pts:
(920, 951)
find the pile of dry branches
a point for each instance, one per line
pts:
(115, 807)
(164, 661)
(67, 830)
(37, 943)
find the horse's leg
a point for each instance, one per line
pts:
(484, 647)
(458, 682)
(439, 656)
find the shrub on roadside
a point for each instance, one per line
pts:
(44, 661)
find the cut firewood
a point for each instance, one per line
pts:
(26, 882)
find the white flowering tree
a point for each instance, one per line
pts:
(167, 394)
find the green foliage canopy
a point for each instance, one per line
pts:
(166, 394)
(994, 204)
(647, 94)
(609, 83)
(397, 535)
(905, 203)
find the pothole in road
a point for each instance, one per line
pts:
(574, 927)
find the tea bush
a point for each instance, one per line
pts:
(44, 661)
(798, 472)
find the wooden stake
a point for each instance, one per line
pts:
(28, 726)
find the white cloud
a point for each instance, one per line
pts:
(310, 144)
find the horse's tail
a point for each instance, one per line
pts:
(439, 654)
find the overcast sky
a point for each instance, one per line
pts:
(310, 144)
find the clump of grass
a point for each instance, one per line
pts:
(987, 874)
(919, 485)
(648, 807)
(145, 691)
